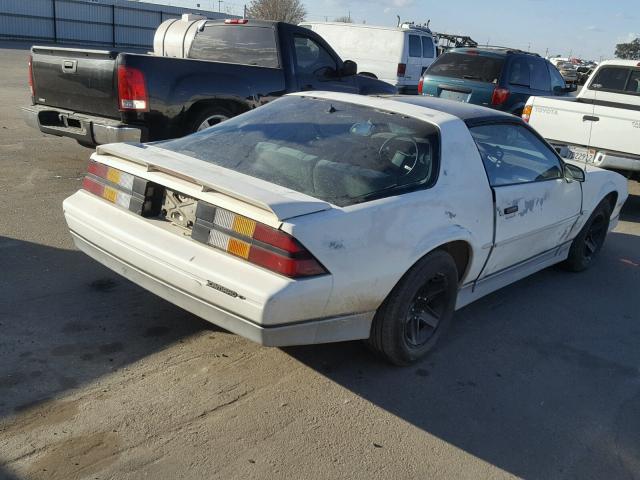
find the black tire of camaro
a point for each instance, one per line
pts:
(206, 113)
(388, 337)
(579, 259)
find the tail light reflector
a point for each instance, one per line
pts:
(120, 188)
(499, 96)
(132, 89)
(402, 69)
(420, 86)
(255, 242)
(31, 76)
(526, 113)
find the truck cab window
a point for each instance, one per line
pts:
(512, 154)
(236, 44)
(612, 79)
(633, 85)
(311, 57)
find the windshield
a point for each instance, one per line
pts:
(337, 152)
(471, 67)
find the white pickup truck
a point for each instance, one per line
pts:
(600, 126)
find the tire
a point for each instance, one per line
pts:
(399, 332)
(589, 241)
(209, 115)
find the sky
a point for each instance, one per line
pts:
(587, 29)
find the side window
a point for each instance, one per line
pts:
(539, 74)
(512, 154)
(611, 79)
(557, 82)
(519, 73)
(633, 85)
(311, 57)
(415, 46)
(427, 47)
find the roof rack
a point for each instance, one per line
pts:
(448, 41)
(508, 49)
(422, 27)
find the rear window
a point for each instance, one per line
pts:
(427, 47)
(337, 152)
(470, 67)
(236, 44)
(415, 47)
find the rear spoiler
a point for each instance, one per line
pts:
(284, 203)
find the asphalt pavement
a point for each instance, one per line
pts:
(101, 380)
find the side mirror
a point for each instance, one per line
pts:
(571, 172)
(349, 68)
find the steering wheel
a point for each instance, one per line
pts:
(395, 150)
(494, 154)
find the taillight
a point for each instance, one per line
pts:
(255, 242)
(31, 76)
(499, 96)
(420, 85)
(236, 21)
(526, 113)
(128, 191)
(132, 89)
(402, 69)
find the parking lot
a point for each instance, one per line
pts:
(100, 379)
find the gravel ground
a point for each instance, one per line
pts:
(102, 380)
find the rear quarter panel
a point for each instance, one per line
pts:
(369, 247)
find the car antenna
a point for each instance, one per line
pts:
(332, 109)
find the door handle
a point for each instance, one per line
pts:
(589, 118)
(511, 209)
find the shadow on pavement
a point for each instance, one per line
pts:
(540, 379)
(631, 210)
(66, 321)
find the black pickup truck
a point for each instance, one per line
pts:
(99, 96)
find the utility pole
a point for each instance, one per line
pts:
(219, 5)
(349, 15)
(244, 14)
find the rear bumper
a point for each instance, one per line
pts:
(617, 162)
(267, 309)
(87, 129)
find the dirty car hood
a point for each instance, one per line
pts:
(284, 203)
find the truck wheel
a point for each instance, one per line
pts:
(418, 310)
(587, 244)
(209, 117)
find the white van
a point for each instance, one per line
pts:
(398, 55)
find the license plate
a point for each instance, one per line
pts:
(452, 95)
(578, 154)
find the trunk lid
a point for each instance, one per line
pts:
(79, 80)
(281, 203)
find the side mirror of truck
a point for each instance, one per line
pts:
(349, 68)
(571, 172)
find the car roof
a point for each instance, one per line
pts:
(435, 110)
(490, 50)
(468, 113)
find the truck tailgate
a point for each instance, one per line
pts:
(77, 80)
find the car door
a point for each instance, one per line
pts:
(317, 69)
(428, 53)
(536, 207)
(414, 61)
(615, 124)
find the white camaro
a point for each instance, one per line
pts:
(324, 217)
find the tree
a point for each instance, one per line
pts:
(344, 19)
(629, 51)
(290, 11)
